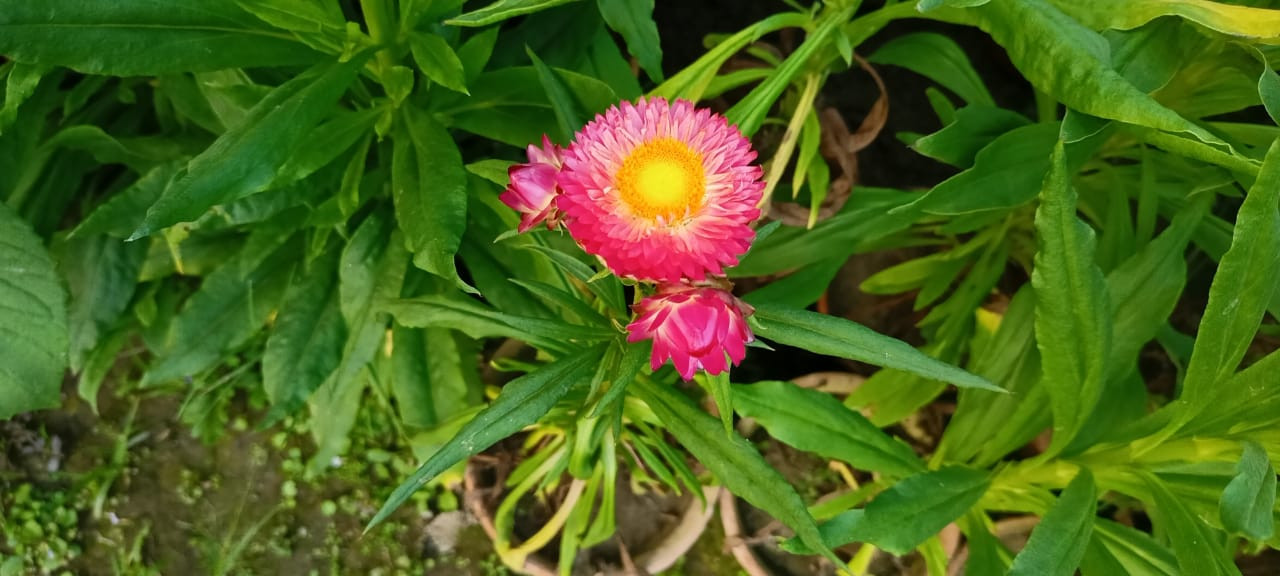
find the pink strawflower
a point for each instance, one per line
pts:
(696, 327)
(533, 187)
(661, 192)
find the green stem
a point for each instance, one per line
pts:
(376, 18)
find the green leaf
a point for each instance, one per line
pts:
(1242, 287)
(480, 321)
(562, 101)
(502, 10)
(438, 61)
(318, 23)
(974, 127)
(1247, 401)
(938, 58)
(429, 185)
(832, 336)
(1059, 541)
(722, 391)
(1196, 545)
(1073, 323)
(909, 512)
(633, 19)
(244, 160)
(33, 319)
(816, 422)
(509, 106)
(732, 460)
(1247, 502)
(142, 37)
(750, 112)
(1144, 289)
(1071, 63)
(434, 375)
(101, 274)
(306, 339)
(1005, 174)
(19, 85)
(522, 402)
(231, 305)
(693, 81)
(1119, 549)
(1243, 21)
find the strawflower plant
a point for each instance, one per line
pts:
(337, 206)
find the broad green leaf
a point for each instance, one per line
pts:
(502, 10)
(1196, 545)
(429, 185)
(1268, 91)
(1243, 21)
(326, 143)
(1059, 541)
(818, 423)
(1065, 60)
(633, 19)
(927, 5)
(750, 112)
(522, 402)
(1242, 287)
(732, 460)
(1119, 549)
(438, 61)
(562, 101)
(974, 127)
(435, 376)
(938, 58)
(142, 37)
(909, 512)
(832, 336)
(306, 339)
(1073, 323)
(244, 160)
(33, 319)
(475, 52)
(801, 288)
(231, 305)
(693, 81)
(1006, 173)
(101, 274)
(1247, 503)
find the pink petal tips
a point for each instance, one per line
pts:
(533, 187)
(661, 192)
(696, 327)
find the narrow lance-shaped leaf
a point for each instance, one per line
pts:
(305, 344)
(1071, 63)
(1242, 287)
(143, 37)
(245, 159)
(732, 460)
(816, 422)
(1073, 326)
(633, 19)
(438, 61)
(502, 10)
(909, 512)
(568, 117)
(33, 320)
(940, 59)
(101, 273)
(1059, 541)
(1195, 544)
(429, 186)
(522, 402)
(1249, 499)
(832, 336)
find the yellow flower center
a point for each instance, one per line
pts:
(662, 178)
